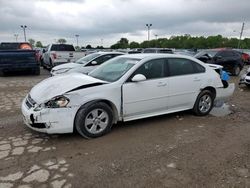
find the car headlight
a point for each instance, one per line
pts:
(61, 71)
(57, 102)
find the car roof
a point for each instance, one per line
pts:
(102, 52)
(155, 55)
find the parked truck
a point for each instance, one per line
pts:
(56, 54)
(18, 56)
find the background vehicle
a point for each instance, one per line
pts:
(245, 78)
(125, 88)
(85, 64)
(158, 50)
(18, 57)
(56, 54)
(229, 59)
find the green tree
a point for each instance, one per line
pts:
(31, 41)
(122, 43)
(134, 45)
(88, 46)
(39, 44)
(61, 41)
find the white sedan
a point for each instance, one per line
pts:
(125, 88)
(85, 64)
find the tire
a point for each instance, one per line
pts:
(236, 70)
(88, 122)
(204, 103)
(37, 71)
(50, 65)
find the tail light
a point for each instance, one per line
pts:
(37, 56)
(54, 55)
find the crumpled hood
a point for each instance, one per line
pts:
(66, 65)
(58, 85)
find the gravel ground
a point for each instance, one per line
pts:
(176, 150)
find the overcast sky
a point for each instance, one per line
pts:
(106, 21)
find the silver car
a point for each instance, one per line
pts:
(85, 64)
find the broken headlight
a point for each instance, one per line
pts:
(57, 102)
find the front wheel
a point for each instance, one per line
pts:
(94, 120)
(204, 103)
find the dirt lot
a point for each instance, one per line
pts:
(177, 150)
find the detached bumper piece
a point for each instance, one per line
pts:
(36, 125)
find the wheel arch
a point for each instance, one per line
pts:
(109, 103)
(211, 89)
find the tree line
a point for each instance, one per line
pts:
(185, 42)
(178, 42)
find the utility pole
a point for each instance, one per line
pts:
(24, 33)
(16, 36)
(156, 36)
(101, 41)
(77, 39)
(241, 32)
(148, 26)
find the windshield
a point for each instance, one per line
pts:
(113, 69)
(87, 58)
(209, 53)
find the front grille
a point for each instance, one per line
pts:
(29, 102)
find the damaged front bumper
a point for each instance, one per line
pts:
(48, 120)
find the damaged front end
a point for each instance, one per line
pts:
(53, 116)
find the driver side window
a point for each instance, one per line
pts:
(152, 69)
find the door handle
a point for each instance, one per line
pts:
(161, 84)
(197, 79)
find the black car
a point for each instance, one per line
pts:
(229, 59)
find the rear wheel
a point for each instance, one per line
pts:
(204, 103)
(94, 120)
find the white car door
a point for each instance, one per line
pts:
(185, 81)
(148, 97)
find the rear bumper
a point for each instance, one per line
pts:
(21, 67)
(225, 93)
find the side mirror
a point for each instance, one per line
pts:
(94, 63)
(138, 78)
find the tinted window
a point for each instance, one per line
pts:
(149, 51)
(166, 51)
(152, 69)
(225, 54)
(62, 47)
(183, 67)
(103, 58)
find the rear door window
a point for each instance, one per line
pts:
(181, 66)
